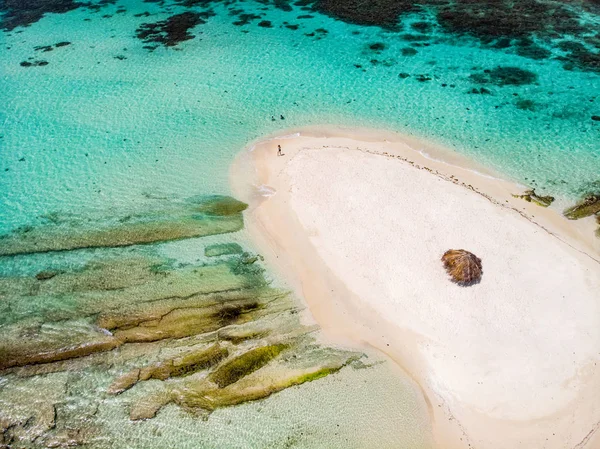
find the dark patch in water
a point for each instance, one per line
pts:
(525, 104)
(33, 63)
(480, 91)
(496, 24)
(43, 48)
(423, 78)
(383, 13)
(404, 75)
(383, 62)
(528, 49)
(421, 27)
(408, 51)
(265, 24)
(505, 76)
(47, 48)
(579, 57)
(503, 18)
(414, 37)
(245, 19)
(171, 31)
(377, 47)
(25, 12)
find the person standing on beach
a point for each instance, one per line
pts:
(279, 153)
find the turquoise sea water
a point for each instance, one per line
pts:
(109, 120)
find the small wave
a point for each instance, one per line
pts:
(265, 190)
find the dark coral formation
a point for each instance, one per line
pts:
(505, 76)
(22, 13)
(25, 12)
(501, 24)
(33, 63)
(171, 31)
(531, 28)
(384, 13)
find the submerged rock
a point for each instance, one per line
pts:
(196, 217)
(222, 249)
(530, 196)
(278, 374)
(45, 275)
(589, 206)
(208, 335)
(183, 365)
(245, 364)
(52, 342)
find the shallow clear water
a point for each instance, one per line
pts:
(105, 124)
(86, 130)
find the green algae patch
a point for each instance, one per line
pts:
(590, 205)
(308, 363)
(531, 197)
(222, 249)
(323, 372)
(219, 206)
(184, 365)
(235, 335)
(193, 218)
(180, 322)
(245, 364)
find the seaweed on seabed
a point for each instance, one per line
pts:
(505, 76)
(222, 249)
(183, 365)
(302, 362)
(245, 263)
(196, 217)
(233, 370)
(590, 205)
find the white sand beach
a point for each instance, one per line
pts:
(357, 223)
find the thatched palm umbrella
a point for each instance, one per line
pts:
(464, 267)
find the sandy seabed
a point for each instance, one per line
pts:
(356, 222)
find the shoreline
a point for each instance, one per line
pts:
(348, 319)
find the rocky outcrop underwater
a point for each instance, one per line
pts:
(98, 302)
